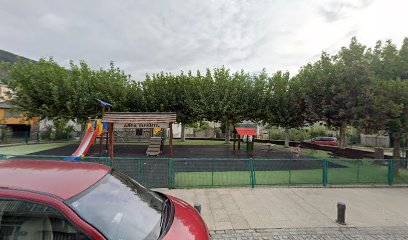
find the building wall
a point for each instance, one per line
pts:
(8, 117)
(3, 92)
(375, 141)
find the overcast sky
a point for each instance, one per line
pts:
(173, 35)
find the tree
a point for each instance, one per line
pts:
(334, 86)
(403, 59)
(285, 103)
(47, 90)
(388, 110)
(38, 89)
(257, 90)
(385, 107)
(173, 93)
(225, 97)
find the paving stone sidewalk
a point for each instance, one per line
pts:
(298, 208)
(335, 233)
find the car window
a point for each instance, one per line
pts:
(120, 208)
(25, 220)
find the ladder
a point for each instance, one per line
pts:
(154, 148)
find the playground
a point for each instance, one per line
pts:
(157, 160)
(188, 149)
(210, 163)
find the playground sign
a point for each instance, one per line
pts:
(141, 125)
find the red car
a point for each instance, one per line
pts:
(48, 200)
(325, 141)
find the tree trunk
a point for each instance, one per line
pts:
(397, 153)
(342, 140)
(397, 147)
(227, 137)
(183, 135)
(287, 137)
(83, 129)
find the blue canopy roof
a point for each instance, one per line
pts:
(103, 103)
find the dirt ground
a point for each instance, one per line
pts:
(180, 151)
(197, 153)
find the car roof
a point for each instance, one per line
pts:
(62, 179)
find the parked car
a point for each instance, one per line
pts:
(324, 141)
(45, 200)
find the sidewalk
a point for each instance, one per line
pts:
(293, 208)
(361, 233)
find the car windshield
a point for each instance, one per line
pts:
(120, 208)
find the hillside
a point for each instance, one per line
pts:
(11, 58)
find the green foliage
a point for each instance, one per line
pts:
(298, 134)
(284, 103)
(356, 86)
(60, 129)
(294, 134)
(48, 90)
(47, 134)
(353, 135)
(317, 131)
(276, 134)
(165, 92)
(192, 125)
(204, 125)
(199, 126)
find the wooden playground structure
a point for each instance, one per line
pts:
(140, 120)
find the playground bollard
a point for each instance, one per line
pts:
(197, 206)
(341, 213)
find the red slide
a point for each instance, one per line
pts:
(86, 143)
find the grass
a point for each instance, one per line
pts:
(30, 148)
(357, 172)
(363, 171)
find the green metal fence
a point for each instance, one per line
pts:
(250, 172)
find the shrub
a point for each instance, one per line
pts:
(59, 130)
(276, 134)
(47, 133)
(317, 131)
(298, 134)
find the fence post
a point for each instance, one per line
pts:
(170, 173)
(139, 170)
(290, 171)
(212, 174)
(390, 171)
(108, 162)
(27, 137)
(251, 172)
(325, 169)
(358, 170)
